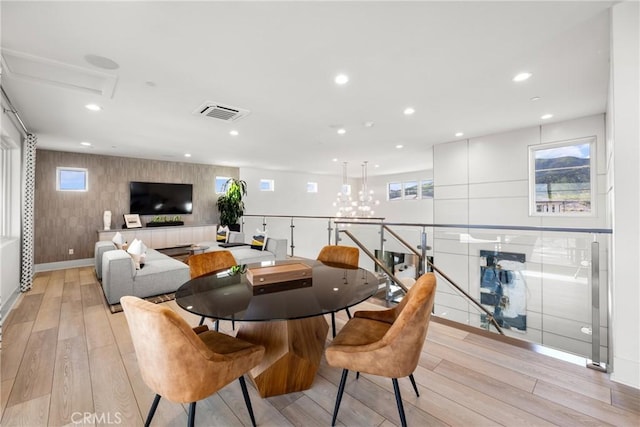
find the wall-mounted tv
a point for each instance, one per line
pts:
(155, 198)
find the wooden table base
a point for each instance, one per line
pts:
(293, 352)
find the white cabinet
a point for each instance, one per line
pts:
(164, 237)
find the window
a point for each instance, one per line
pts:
(410, 190)
(71, 179)
(9, 188)
(220, 182)
(266, 185)
(562, 181)
(394, 191)
(312, 187)
(426, 187)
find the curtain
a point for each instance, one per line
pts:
(28, 205)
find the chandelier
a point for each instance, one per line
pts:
(363, 206)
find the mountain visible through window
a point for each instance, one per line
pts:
(563, 178)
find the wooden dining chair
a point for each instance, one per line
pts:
(343, 255)
(387, 343)
(182, 364)
(208, 262)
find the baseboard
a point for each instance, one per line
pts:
(61, 265)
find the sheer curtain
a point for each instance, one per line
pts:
(28, 204)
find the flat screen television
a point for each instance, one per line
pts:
(155, 198)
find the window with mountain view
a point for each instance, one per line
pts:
(563, 178)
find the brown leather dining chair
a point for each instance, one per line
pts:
(208, 262)
(387, 343)
(182, 364)
(343, 255)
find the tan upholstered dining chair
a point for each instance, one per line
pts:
(182, 364)
(343, 255)
(208, 262)
(386, 342)
(201, 264)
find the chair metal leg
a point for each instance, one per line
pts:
(396, 389)
(152, 410)
(413, 383)
(343, 380)
(216, 325)
(192, 414)
(201, 321)
(358, 375)
(348, 312)
(333, 323)
(247, 399)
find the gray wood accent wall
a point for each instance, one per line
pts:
(70, 220)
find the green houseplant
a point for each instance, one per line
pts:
(230, 204)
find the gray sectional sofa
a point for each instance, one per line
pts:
(161, 273)
(275, 249)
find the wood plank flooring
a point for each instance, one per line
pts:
(66, 360)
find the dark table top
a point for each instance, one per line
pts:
(227, 294)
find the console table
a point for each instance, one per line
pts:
(164, 237)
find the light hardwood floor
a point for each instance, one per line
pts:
(65, 355)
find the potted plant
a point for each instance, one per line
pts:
(230, 204)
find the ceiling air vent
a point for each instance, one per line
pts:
(220, 111)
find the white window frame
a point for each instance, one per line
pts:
(269, 182)
(61, 169)
(389, 184)
(421, 191)
(215, 184)
(407, 184)
(591, 140)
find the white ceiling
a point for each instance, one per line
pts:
(452, 61)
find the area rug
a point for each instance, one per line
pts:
(117, 308)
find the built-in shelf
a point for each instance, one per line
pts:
(164, 237)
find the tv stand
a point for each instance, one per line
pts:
(164, 236)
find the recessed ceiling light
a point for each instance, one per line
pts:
(93, 107)
(341, 131)
(334, 160)
(399, 146)
(86, 144)
(459, 133)
(376, 166)
(341, 79)
(368, 124)
(522, 77)
(546, 116)
(234, 133)
(535, 98)
(187, 155)
(409, 111)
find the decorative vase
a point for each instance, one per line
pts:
(106, 218)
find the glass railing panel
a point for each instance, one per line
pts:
(537, 282)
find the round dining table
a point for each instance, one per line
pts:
(285, 315)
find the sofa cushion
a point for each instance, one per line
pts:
(99, 249)
(160, 274)
(246, 255)
(259, 240)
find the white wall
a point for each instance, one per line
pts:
(485, 181)
(291, 198)
(11, 195)
(625, 154)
